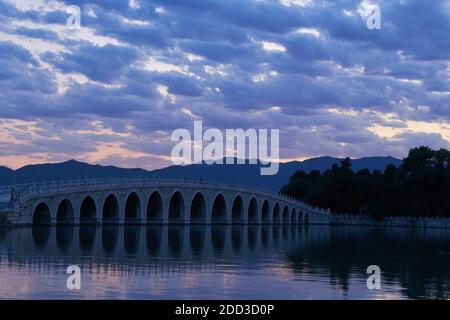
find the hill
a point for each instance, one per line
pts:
(245, 174)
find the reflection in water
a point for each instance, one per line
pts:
(218, 235)
(332, 260)
(276, 233)
(153, 239)
(197, 239)
(110, 235)
(131, 239)
(236, 237)
(64, 236)
(176, 238)
(285, 232)
(251, 236)
(293, 230)
(265, 235)
(41, 234)
(87, 237)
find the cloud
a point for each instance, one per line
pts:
(104, 63)
(136, 70)
(37, 33)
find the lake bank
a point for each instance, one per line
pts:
(391, 221)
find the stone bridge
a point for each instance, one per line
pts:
(149, 201)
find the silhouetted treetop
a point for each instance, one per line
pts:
(419, 187)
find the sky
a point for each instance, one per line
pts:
(112, 91)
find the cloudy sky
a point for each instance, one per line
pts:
(112, 91)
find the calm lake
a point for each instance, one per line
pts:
(224, 262)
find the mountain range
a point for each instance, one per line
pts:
(241, 174)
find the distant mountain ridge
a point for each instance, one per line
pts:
(241, 174)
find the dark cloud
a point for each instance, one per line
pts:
(15, 53)
(180, 85)
(37, 33)
(104, 63)
(23, 82)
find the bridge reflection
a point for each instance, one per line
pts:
(142, 242)
(307, 252)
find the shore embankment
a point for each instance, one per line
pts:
(391, 221)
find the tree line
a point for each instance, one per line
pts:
(420, 186)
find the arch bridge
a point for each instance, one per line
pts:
(150, 201)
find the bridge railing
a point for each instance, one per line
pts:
(26, 190)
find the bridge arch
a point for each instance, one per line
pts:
(276, 213)
(286, 215)
(219, 209)
(252, 211)
(41, 214)
(132, 208)
(88, 211)
(176, 208)
(293, 216)
(300, 216)
(265, 213)
(237, 210)
(65, 213)
(155, 207)
(158, 201)
(110, 211)
(197, 212)
(306, 221)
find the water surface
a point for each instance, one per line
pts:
(224, 262)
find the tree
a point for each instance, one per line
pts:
(419, 187)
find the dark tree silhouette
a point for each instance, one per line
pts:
(419, 187)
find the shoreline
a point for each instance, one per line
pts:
(392, 221)
(403, 222)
